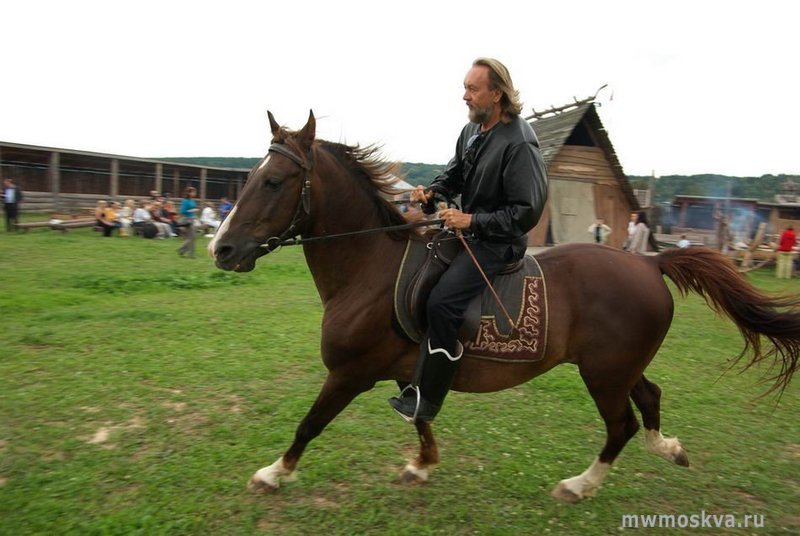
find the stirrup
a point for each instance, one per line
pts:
(413, 418)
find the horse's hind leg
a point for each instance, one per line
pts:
(647, 397)
(336, 394)
(615, 408)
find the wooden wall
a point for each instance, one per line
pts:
(589, 164)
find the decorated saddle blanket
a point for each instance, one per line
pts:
(486, 332)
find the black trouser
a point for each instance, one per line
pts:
(450, 297)
(12, 220)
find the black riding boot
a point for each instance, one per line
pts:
(422, 399)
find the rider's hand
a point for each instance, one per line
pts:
(420, 195)
(455, 219)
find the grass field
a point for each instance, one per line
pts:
(139, 391)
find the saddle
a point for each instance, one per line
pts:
(485, 333)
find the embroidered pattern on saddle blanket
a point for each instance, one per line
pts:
(486, 333)
(527, 342)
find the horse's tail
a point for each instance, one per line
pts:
(714, 276)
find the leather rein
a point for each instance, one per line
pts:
(289, 236)
(303, 211)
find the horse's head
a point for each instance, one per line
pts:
(274, 203)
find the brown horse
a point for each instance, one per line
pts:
(610, 330)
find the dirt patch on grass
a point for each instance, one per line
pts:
(793, 451)
(748, 497)
(103, 434)
(175, 406)
(236, 404)
(322, 502)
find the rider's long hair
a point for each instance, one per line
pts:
(499, 78)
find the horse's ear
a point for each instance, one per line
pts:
(308, 133)
(273, 125)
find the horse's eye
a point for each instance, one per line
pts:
(272, 184)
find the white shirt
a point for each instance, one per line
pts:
(208, 217)
(141, 215)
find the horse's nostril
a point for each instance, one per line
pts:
(224, 253)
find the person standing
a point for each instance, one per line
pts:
(225, 207)
(785, 253)
(188, 212)
(12, 198)
(631, 229)
(600, 231)
(641, 235)
(499, 172)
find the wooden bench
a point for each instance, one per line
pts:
(33, 225)
(63, 226)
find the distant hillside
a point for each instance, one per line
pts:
(216, 161)
(420, 173)
(414, 173)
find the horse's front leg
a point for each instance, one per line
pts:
(336, 394)
(417, 470)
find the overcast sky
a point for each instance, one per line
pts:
(697, 86)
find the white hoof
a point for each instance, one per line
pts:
(269, 479)
(586, 484)
(668, 448)
(414, 475)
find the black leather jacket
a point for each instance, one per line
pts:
(503, 184)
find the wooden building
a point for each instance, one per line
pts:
(702, 215)
(586, 180)
(65, 180)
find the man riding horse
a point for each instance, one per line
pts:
(499, 172)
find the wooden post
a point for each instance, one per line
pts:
(682, 217)
(55, 179)
(114, 186)
(176, 184)
(159, 178)
(203, 178)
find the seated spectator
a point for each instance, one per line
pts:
(684, 242)
(126, 217)
(162, 221)
(99, 209)
(109, 219)
(143, 221)
(168, 211)
(209, 218)
(225, 207)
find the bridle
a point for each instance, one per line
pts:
(303, 210)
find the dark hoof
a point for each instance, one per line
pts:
(682, 459)
(410, 478)
(259, 486)
(564, 494)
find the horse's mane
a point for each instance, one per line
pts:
(377, 176)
